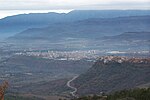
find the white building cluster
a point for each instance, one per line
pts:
(64, 55)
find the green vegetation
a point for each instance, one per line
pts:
(132, 94)
(16, 97)
(95, 97)
(135, 94)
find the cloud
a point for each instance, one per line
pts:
(72, 4)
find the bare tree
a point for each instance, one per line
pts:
(2, 90)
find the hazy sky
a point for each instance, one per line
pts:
(72, 4)
(13, 7)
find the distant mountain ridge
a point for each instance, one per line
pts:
(15, 24)
(112, 73)
(123, 33)
(89, 28)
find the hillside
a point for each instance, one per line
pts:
(111, 73)
(90, 28)
(130, 36)
(46, 74)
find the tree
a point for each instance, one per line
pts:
(2, 90)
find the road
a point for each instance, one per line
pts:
(73, 88)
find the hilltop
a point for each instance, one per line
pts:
(117, 59)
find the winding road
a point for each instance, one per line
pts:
(73, 88)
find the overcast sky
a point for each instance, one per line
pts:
(14, 7)
(73, 4)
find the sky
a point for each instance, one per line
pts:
(6, 13)
(9, 7)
